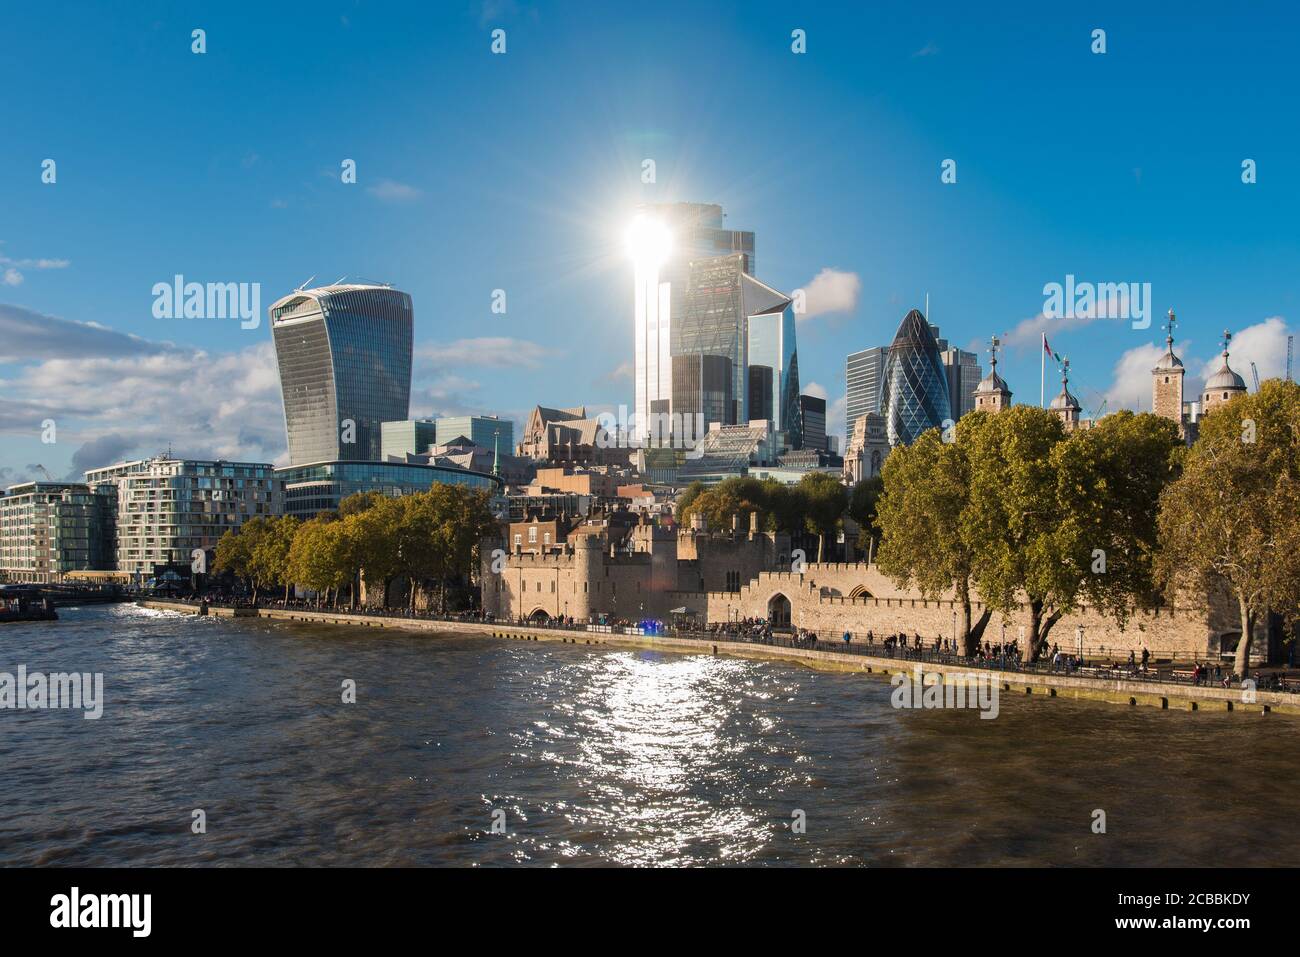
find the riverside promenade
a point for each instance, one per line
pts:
(1116, 688)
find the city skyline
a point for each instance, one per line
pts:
(85, 350)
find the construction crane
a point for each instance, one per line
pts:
(1254, 372)
(44, 471)
(1290, 343)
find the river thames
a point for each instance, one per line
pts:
(592, 756)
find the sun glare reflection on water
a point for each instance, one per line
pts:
(595, 756)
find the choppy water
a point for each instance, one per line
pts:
(596, 756)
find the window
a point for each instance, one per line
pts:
(519, 539)
(532, 535)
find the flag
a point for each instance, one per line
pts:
(1048, 349)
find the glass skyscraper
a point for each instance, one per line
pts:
(721, 297)
(772, 346)
(864, 373)
(696, 232)
(344, 353)
(915, 389)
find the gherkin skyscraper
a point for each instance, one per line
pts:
(914, 395)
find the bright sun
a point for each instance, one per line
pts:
(648, 241)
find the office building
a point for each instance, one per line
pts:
(963, 373)
(321, 486)
(665, 239)
(813, 414)
(722, 302)
(50, 528)
(489, 431)
(418, 436)
(771, 345)
(406, 437)
(915, 390)
(165, 508)
(344, 353)
(864, 373)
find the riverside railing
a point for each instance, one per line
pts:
(816, 641)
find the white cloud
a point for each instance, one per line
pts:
(1130, 386)
(499, 352)
(836, 419)
(12, 277)
(816, 389)
(622, 373)
(25, 334)
(928, 50)
(203, 405)
(831, 290)
(1263, 343)
(391, 191)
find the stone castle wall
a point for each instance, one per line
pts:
(857, 597)
(589, 579)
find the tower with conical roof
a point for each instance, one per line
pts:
(1167, 380)
(992, 394)
(1225, 385)
(1066, 405)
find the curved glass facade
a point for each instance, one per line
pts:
(320, 486)
(344, 353)
(914, 395)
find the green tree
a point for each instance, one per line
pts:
(825, 499)
(318, 557)
(1108, 483)
(1232, 520)
(371, 533)
(922, 512)
(270, 558)
(864, 500)
(1012, 520)
(237, 550)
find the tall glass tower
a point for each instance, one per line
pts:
(915, 389)
(772, 347)
(689, 231)
(344, 353)
(715, 319)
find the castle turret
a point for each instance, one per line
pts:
(1066, 405)
(1167, 380)
(1225, 385)
(993, 394)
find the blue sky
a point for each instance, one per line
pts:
(478, 172)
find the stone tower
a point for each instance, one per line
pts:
(1065, 405)
(992, 394)
(1225, 385)
(1167, 381)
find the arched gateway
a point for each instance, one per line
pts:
(778, 611)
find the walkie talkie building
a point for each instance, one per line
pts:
(344, 353)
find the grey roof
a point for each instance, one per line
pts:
(1225, 378)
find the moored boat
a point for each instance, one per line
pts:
(25, 603)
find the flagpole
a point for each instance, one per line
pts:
(1042, 370)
